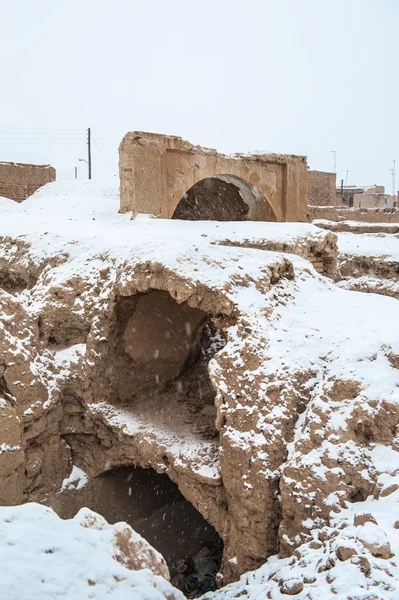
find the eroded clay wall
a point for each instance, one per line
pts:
(368, 215)
(18, 181)
(321, 189)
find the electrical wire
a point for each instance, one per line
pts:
(36, 135)
(40, 129)
(41, 142)
(108, 139)
(103, 154)
(46, 136)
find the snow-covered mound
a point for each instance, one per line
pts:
(70, 215)
(304, 397)
(353, 558)
(44, 557)
(368, 244)
(6, 203)
(369, 262)
(368, 256)
(357, 226)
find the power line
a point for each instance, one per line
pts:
(108, 138)
(41, 142)
(46, 136)
(9, 138)
(19, 136)
(41, 129)
(103, 155)
(34, 135)
(107, 145)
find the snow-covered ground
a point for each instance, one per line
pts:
(306, 326)
(63, 212)
(369, 244)
(369, 262)
(345, 561)
(357, 226)
(43, 557)
(6, 202)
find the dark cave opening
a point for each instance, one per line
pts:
(152, 505)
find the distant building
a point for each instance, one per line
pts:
(321, 188)
(373, 196)
(18, 181)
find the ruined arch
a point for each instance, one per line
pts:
(224, 198)
(157, 170)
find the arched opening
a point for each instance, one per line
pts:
(158, 363)
(159, 411)
(154, 507)
(224, 198)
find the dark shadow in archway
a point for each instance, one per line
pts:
(154, 507)
(224, 198)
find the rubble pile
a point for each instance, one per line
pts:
(368, 258)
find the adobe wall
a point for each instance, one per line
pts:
(18, 181)
(322, 186)
(368, 215)
(373, 200)
(157, 170)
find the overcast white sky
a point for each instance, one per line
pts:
(296, 76)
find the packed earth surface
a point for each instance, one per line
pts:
(216, 388)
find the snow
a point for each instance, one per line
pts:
(7, 448)
(369, 244)
(371, 534)
(76, 480)
(6, 203)
(61, 213)
(187, 450)
(372, 284)
(341, 579)
(385, 459)
(71, 354)
(45, 557)
(304, 324)
(356, 224)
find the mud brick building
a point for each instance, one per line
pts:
(18, 181)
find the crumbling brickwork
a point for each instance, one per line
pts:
(18, 181)
(156, 172)
(321, 189)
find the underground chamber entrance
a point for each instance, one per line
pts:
(158, 364)
(154, 507)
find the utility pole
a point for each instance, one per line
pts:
(335, 161)
(76, 172)
(89, 151)
(393, 181)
